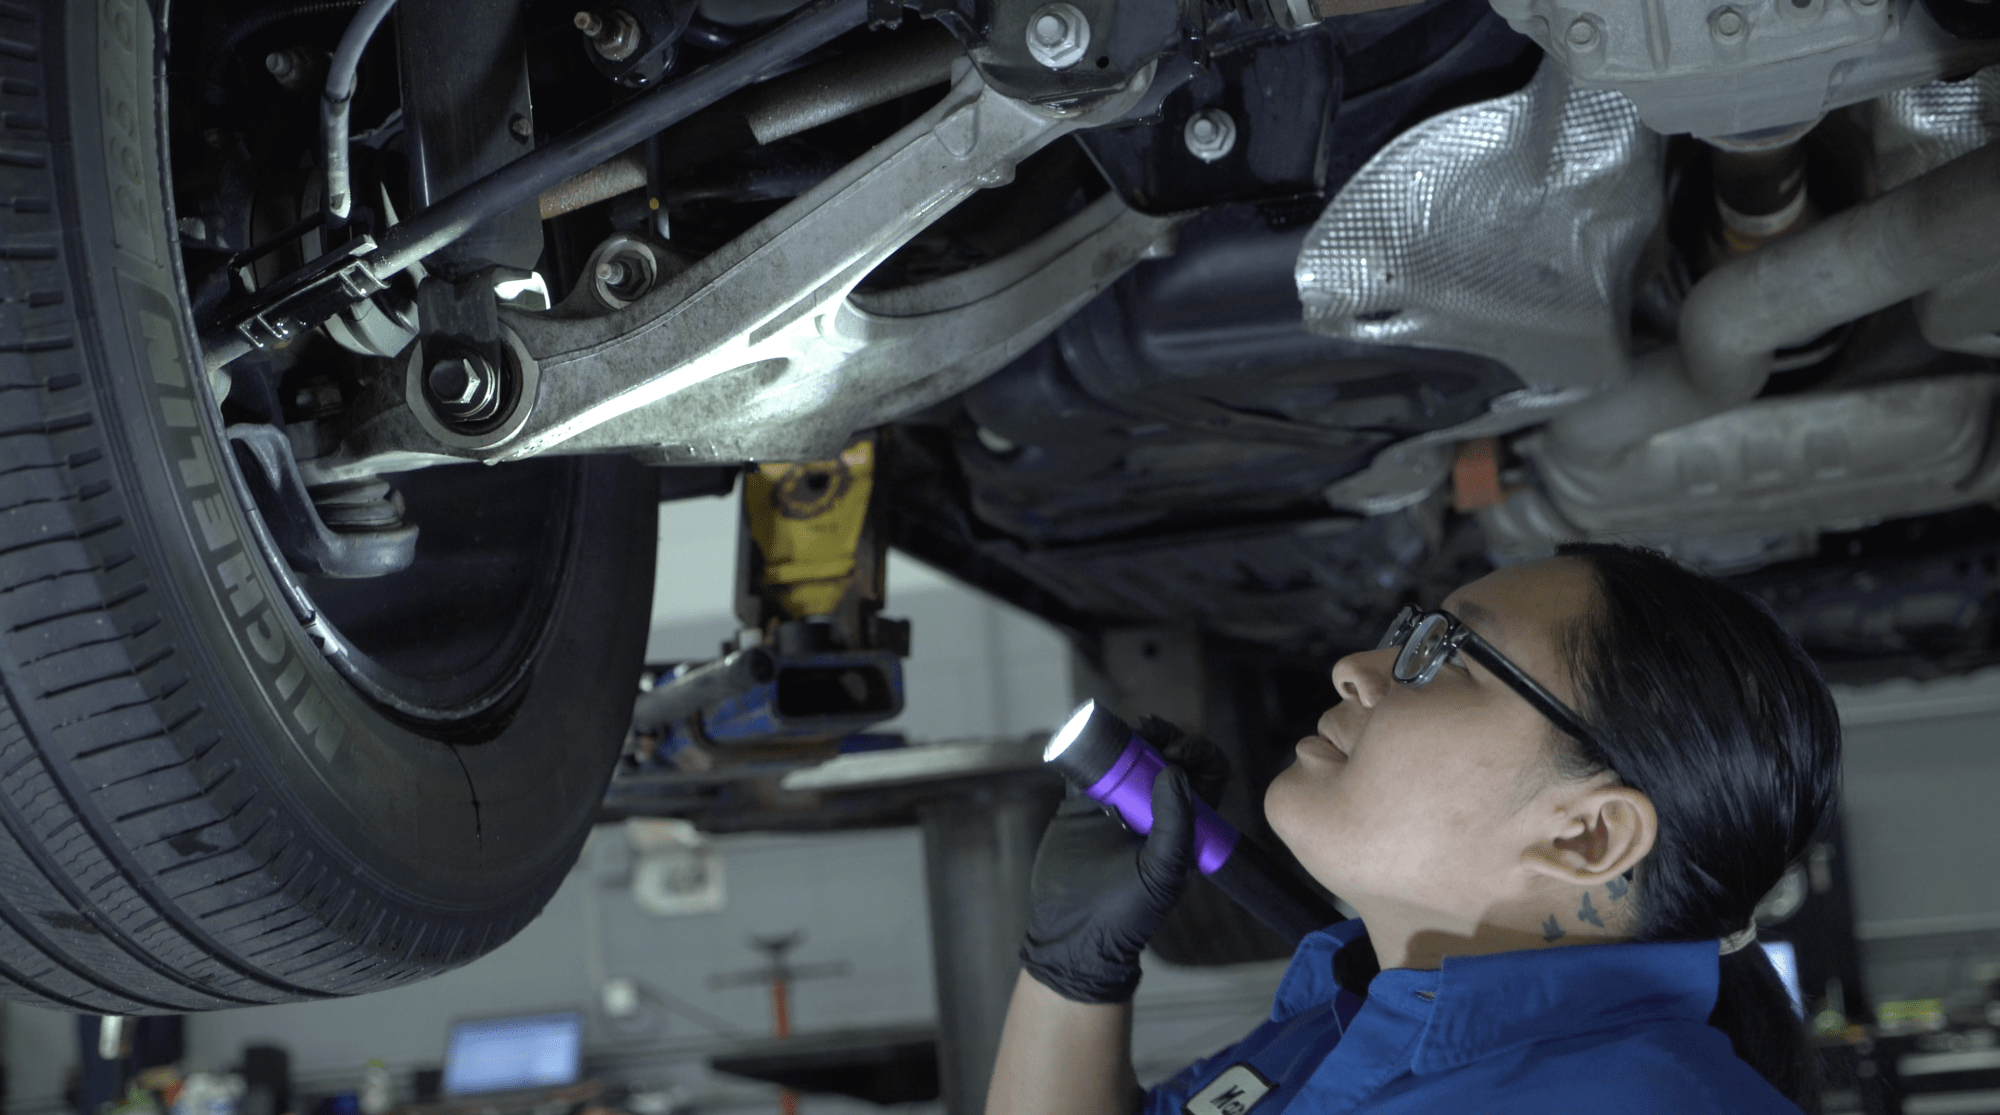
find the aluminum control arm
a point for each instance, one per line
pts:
(759, 351)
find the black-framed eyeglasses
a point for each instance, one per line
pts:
(1430, 638)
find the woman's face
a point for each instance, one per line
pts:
(1419, 797)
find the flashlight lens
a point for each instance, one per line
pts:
(1067, 734)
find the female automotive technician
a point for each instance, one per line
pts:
(1555, 804)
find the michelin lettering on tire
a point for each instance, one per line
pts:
(230, 561)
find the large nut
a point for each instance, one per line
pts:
(1058, 35)
(617, 38)
(467, 388)
(1209, 134)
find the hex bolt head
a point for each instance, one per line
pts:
(617, 38)
(1209, 134)
(1582, 34)
(279, 63)
(456, 380)
(521, 126)
(1727, 25)
(1058, 35)
(467, 388)
(588, 23)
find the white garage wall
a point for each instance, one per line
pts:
(1922, 809)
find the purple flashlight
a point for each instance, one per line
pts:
(1114, 766)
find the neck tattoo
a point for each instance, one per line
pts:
(1589, 913)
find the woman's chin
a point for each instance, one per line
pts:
(1284, 799)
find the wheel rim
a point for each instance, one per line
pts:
(447, 643)
(454, 635)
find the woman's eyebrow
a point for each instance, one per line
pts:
(1480, 618)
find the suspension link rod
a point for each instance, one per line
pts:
(343, 278)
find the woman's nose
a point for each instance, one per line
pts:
(1363, 678)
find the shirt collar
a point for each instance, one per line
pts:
(1310, 981)
(1480, 1005)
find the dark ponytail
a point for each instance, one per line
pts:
(1702, 702)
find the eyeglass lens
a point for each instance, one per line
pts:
(1426, 649)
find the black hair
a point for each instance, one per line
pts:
(1699, 699)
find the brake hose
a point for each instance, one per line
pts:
(339, 94)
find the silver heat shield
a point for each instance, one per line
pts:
(1512, 229)
(1926, 126)
(1508, 228)
(1916, 131)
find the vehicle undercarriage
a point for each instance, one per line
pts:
(1254, 387)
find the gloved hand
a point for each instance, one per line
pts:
(1098, 892)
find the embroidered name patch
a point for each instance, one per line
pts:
(1233, 1093)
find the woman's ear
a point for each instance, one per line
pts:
(1599, 833)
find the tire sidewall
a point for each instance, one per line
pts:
(459, 829)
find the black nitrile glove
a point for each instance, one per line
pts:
(1098, 892)
(1207, 767)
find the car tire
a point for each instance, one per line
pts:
(198, 810)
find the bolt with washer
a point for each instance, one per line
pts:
(1727, 25)
(466, 388)
(1058, 35)
(1209, 134)
(1583, 34)
(615, 39)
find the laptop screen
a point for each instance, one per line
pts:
(497, 1054)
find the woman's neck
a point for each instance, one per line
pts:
(1408, 937)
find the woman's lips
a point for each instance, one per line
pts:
(1328, 733)
(1323, 747)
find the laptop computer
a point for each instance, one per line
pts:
(512, 1054)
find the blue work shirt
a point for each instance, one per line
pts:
(1584, 1028)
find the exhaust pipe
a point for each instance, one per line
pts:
(1909, 240)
